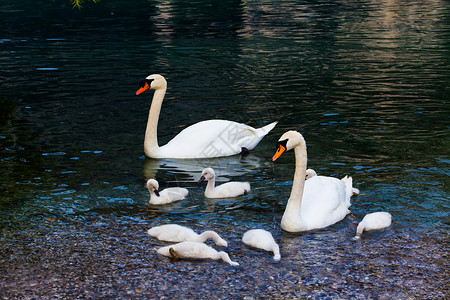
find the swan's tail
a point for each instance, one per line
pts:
(348, 180)
(251, 141)
(266, 129)
(224, 256)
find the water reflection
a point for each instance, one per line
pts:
(367, 82)
(187, 170)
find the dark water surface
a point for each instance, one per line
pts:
(366, 82)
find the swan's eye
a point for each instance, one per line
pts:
(282, 143)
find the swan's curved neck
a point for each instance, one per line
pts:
(151, 133)
(204, 236)
(210, 185)
(292, 220)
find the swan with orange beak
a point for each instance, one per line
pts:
(211, 138)
(314, 203)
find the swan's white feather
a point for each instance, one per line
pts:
(325, 201)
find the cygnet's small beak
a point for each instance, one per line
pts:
(156, 192)
(201, 179)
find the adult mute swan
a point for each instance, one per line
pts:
(212, 138)
(262, 239)
(177, 233)
(314, 203)
(194, 250)
(376, 220)
(165, 196)
(226, 190)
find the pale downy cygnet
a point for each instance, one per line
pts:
(226, 190)
(194, 250)
(310, 173)
(165, 196)
(262, 239)
(177, 233)
(376, 220)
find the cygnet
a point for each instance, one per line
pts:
(376, 220)
(194, 250)
(226, 190)
(310, 173)
(177, 233)
(262, 239)
(165, 196)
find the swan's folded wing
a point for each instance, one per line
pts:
(214, 138)
(322, 197)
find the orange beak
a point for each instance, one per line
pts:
(143, 89)
(280, 150)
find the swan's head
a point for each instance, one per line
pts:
(310, 173)
(154, 82)
(287, 141)
(153, 186)
(207, 174)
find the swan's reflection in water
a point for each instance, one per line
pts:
(189, 170)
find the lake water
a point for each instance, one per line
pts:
(366, 83)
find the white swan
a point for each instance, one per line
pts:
(212, 138)
(314, 203)
(177, 233)
(262, 239)
(226, 190)
(165, 196)
(194, 250)
(376, 220)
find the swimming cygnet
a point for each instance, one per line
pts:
(177, 233)
(376, 220)
(194, 250)
(165, 196)
(226, 190)
(262, 239)
(310, 173)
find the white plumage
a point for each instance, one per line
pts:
(211, 138)
(262, 239)
(310, 173)
(195, 250)
(226, 190)
(314, 203)
(376, 220)
(177, 233)
(165, 196)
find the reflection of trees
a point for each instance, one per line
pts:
(78, 3)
